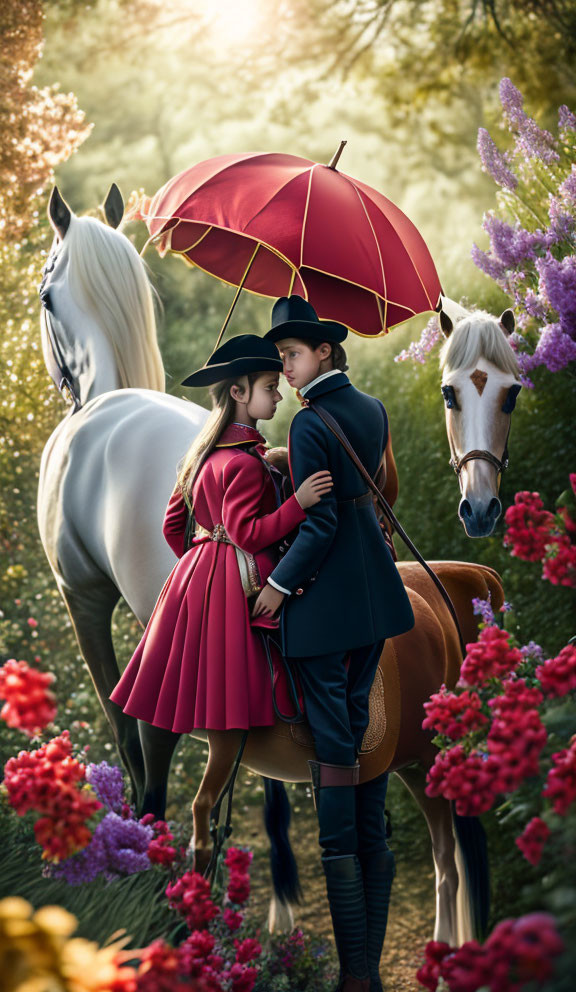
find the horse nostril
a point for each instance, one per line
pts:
(494, 509)
(465, 510)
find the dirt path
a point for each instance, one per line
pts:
(411, 918)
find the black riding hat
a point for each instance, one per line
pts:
(239, 355)
(294, 317)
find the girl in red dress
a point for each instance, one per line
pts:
(201, 663)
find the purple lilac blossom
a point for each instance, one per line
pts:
(486, 263)
(512, 103)
(494, 162)
(567, 189)
(512, 245)
(118, 847)
(531, 140)
(532, 650)
(555, 350)
(562, 223)
(566, 119)
(108, 784)
(418, 350)
(535, 142)
(534, 305)
(558, 286)
(483, 608)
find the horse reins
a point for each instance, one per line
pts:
(335, 428)
(60, 373)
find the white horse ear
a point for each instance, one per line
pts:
(59, 213)
(507, 322)
(113, 206)
(446, 325)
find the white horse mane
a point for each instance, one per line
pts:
(108, 278)
(476, 335)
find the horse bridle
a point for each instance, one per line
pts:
(500, 464)
(59, 372)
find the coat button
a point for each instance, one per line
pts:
(299, 591)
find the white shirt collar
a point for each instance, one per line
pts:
(318, 379)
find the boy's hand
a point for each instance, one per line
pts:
(269, 600)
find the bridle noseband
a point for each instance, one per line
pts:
(499, 463)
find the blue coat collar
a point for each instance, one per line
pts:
(327, 385)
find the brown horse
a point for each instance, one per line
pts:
(412, 667)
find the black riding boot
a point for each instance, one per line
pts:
(345, 890)
(378, 871)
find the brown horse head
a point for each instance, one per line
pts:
(480, 382)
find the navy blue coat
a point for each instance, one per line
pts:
(356, 596)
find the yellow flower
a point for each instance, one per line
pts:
(36, 955)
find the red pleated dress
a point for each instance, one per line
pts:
(201, 663)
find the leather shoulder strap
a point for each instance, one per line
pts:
(333, 425)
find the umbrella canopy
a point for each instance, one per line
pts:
(279, 224)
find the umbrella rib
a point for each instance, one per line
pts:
(367, 289)
(413, 263)
(357, 191)
(305, 218)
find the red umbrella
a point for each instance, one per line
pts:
(278, 224)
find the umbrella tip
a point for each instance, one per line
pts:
(334, 161)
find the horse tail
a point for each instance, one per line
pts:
(283, 865)
(473, 902)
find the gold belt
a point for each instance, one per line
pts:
(247, 565)
(218, 533)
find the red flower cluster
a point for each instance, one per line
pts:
(50, 782)
(454, 715)
(468, 779)
(489, 657)
(561, 781)
(232, 918)
(29, 705)
(247, 950)
(516, 952)
(535, 534)
(560, 563)
(529, 526)
(197, 954)
(160, 850)
(517, 735)
(557, 676)
(162, 969)
(238, 861)
(532, 839)
(190, 896)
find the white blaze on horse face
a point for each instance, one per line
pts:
(480, 424)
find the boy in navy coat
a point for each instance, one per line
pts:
(341, 595)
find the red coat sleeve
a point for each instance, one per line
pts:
(175, 520)
(244, 482)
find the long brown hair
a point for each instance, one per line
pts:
(223, 407)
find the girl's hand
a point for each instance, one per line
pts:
(314, 488)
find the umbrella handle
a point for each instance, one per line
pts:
(238, 291)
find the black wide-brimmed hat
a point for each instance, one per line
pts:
(294, 317)
(237, 356)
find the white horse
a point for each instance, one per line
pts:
(480, 383)
(108, 469)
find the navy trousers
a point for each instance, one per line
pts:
(351, 818)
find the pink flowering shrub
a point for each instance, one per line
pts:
(516, 952)
(535, 534)
(489, 728)
(29, 704)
